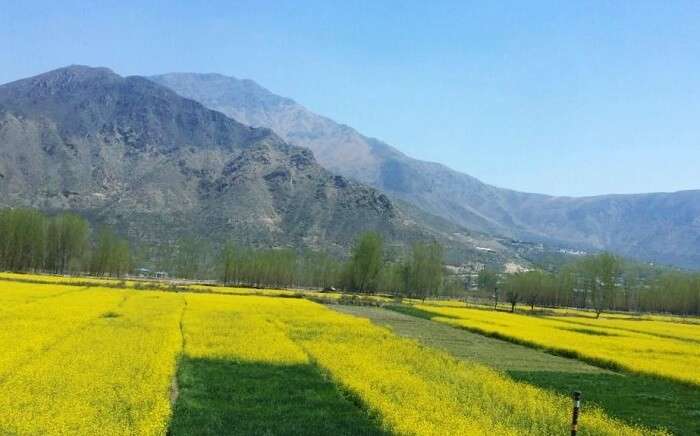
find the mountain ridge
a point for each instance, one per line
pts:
(660, 227)
(131, 153)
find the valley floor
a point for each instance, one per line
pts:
(84, 358)
(635, 399)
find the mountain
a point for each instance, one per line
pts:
(131, 153)
(661, 227)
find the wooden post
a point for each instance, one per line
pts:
(574, 418)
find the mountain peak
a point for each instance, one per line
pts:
(67, 75)
(161, 167)
(78, 70)
(84, 100)
(62, 80)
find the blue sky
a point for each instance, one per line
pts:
(561, 97)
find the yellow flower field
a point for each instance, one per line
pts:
(86, 361)
(236, 290)
(414, 390)
(665, 349)
(562, 311)
(58, 279)
(102, 361)
(587, 313)
(665, 329)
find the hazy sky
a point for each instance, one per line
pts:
(561, 97)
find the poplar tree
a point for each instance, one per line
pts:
(67, 243)
(366, 262)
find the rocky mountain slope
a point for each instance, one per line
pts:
(132, 153)
(662, 227)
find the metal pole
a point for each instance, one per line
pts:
(574, 418)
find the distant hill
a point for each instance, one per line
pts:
(661, 227)
(132, 153)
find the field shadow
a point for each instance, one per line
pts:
(418, 313)
(634, 399)
(587, 331)
(222, 397)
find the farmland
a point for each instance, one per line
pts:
(657, 348)
(93, 359)
(637, 399)
(88, 361)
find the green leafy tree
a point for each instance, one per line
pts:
(513, 287)
(599, 277)
(191, 258)
(366, 262)
(111, 255)
(229, 264)
(67, 243)
(487, 281)
(427, 263)
(22, 239)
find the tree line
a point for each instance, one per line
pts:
(66, 243)
(31, 241)
(601, 282)
(417, 273)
